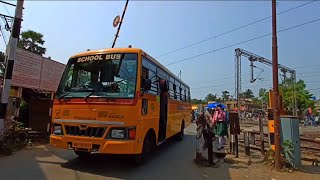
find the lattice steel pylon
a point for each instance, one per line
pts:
(255, 58)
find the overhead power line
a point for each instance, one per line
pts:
(4, 38)
(247, 73)
(232, 77)
(243, 42)
(6, 8)
(235, 29)
(7, 3)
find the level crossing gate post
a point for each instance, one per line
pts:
(261, 135)
(10, 58)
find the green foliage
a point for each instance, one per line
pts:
(32, 41)
(198, 101)
(303, 95)
(256, 102)
(211, 97)
(263, 95)
(247, 94)
(225, 95)
(287, 152)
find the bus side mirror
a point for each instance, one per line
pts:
(146, 84)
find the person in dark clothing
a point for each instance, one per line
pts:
(208, 135)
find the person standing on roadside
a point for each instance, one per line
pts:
(205, 127)
(219, 119)
(208, 134)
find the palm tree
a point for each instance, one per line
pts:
(225, 95)
(32, 41)
(211, 97)
(248, 94)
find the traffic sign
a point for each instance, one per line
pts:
(116, 21)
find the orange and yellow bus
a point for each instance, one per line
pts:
(118, 101)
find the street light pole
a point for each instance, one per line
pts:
(276, 111)
(10, 58)
(123, 13)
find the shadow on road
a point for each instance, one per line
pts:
(310, 169)
(172, 160)
(22, 165)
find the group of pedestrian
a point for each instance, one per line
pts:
(213, 122)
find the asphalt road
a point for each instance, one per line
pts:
(173, 160)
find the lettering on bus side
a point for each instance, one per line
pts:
(116, 116)
(99, 57)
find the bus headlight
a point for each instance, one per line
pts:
(118, 133)
(57, 129)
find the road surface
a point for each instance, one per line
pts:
(172, 161)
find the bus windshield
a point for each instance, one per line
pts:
(101, 75)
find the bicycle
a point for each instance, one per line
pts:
(16, 137)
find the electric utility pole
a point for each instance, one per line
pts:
(123, 13)
(10, 58)
(276, 110)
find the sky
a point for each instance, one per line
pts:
(70, 27)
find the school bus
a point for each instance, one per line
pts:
(118, 101)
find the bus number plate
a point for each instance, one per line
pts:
(82, 145)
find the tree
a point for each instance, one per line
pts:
(210, 97)
(247, 94)
(198, 101)
(225, 95)
(263, 97)
(32, 41)
(262, 93)
(303, 96)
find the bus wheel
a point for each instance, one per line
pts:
(148, 146)
(180, 135)
(83, 155)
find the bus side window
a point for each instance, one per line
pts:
(175, 91)
(144, 75)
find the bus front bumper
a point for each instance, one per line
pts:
(95, 145)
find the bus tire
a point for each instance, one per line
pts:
(149, 144)
(83, 155)
(180, 135)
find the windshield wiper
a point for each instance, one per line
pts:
(63, 95)
(92, 92)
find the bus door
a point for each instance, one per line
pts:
(163, 111)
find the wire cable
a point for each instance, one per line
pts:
(4, 38)
(243, 42)
(235, 29)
